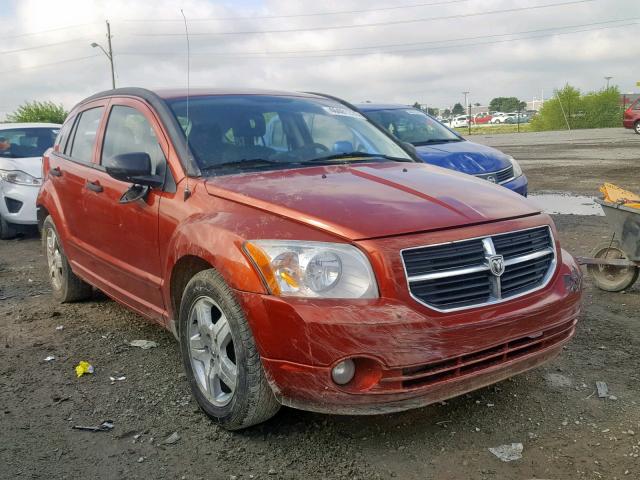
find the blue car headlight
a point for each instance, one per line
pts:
(517, 169)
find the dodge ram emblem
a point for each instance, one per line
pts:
(496, 264)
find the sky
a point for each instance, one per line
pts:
(429, 51)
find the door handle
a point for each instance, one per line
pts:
(56, 172)
(94, 186)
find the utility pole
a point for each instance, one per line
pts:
(108, 53)
(113, 72)
(608, 79)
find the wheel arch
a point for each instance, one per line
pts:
(183, 271)
(198, 246)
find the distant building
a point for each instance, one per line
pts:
(535, 105)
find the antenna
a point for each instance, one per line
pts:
(187, 130)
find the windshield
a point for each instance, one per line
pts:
(26, 142)
(413, 126)
(229, 133)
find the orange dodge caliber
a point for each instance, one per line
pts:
(299, 253)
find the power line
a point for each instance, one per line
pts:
(299, 15)
(47, 31)
(376, 24)
(37, 47)
(336, 52)
(391, 45)
(69, 60)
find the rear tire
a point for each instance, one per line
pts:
(66, 285)
(609, 277)
(7, 230)
(220, 356)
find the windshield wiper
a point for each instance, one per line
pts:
(245, 162)
(347, 155)
(439, 140)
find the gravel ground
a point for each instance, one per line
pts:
(577, 161)
(567, 431)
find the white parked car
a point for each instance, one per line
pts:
(503, 117)
(21, 149)
(461, 121)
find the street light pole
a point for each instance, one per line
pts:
(467, 108)
(108, 53)
(607, 79)
(465, 98)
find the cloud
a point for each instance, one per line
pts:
(429, 72)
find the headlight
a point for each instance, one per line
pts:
(19, 177)
(517, 170)
(313, 269)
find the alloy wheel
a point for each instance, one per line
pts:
(54, 259)
(212, 352)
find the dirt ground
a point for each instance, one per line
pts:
(567, 431)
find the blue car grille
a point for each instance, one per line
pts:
(501, 176)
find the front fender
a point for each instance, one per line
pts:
(219, 247)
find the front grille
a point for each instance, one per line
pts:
(443, 257)
(501, 176)
(480, 271)
(474, 362)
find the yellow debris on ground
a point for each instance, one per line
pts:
(615, 194)
(83, 367)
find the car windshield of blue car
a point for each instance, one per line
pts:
(26, 142)
(231, 133)
(413, 126)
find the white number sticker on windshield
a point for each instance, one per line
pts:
(342, 111)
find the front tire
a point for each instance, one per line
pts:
(220, 356)
(7, 231)
(636, 127)
(66, 285)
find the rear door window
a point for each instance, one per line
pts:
(129, 131)
(85, 135)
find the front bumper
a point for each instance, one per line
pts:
(25, 194)
(406, 357)
(519, 185)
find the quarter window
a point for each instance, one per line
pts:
(129, 131)
(85, 134)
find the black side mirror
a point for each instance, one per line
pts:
(135, 168)
(410, 148)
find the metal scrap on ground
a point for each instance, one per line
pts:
(508, 453)
(103, 427)
(143, 344)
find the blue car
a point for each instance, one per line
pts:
(438, 145)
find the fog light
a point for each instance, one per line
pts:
(343, 372)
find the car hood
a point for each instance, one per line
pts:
(373, 199)
(31, 165)
(464, 156)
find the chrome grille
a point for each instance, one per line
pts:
(480, 271)
(501, 176)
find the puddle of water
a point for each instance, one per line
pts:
(566, 204)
